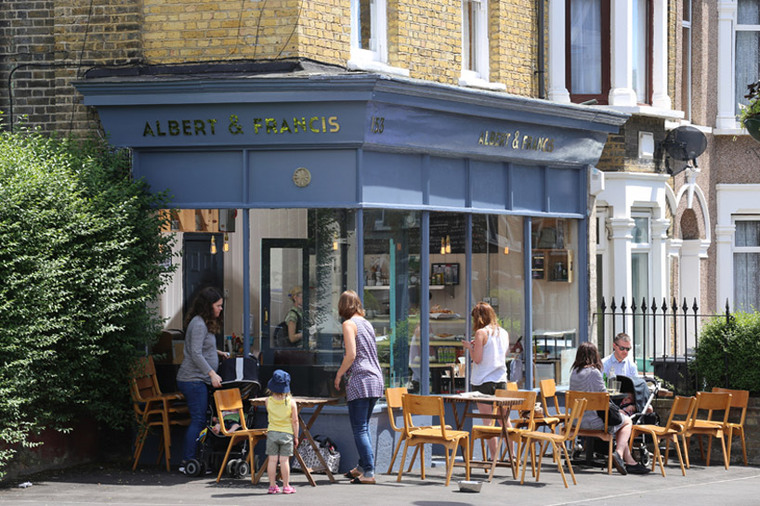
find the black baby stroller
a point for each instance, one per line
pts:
(644, 390)
(243, 374)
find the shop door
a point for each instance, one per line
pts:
(284, 266)
(200, 268)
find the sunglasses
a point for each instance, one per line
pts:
(623, 348)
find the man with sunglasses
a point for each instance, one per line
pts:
(619, 362)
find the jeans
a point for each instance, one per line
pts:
(359, 413)
(196, 395)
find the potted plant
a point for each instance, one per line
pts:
(749, 117)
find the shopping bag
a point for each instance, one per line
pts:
(326, 448)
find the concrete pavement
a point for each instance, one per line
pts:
(118, 485)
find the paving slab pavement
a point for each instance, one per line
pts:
(116, 484)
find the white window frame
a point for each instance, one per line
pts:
(478, 75)
(742, 249)
(376, 58)
(622, 96)
(726, 122)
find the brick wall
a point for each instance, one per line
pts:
(47, 44)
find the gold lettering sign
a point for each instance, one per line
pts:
(236, 126)
(516, 140)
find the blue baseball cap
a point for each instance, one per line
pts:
(280, 382)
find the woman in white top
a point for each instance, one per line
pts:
(488, 351)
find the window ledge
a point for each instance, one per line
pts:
(730, 131)
(476, 82)
(670, 125)
(648, 110)
(376, 66)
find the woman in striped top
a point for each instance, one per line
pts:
(365, 381)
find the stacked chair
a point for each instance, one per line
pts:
(153, 408)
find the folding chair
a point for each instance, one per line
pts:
(570, 432)
(154, 408)
(230, 400)
(739, 400)
(683, 407)
(596, 401)
(436, 434)
(711, 402)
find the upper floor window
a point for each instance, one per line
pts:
(747, 264)
(368, 31)
(475, 55)
(588, 48)
(747, 48)
(686, 60)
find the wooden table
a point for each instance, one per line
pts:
(305, 402)
(501, 415)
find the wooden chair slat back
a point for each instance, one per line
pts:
(423, 405)
(711, 402)
(739, 400)
(229, 400)
(682, 413)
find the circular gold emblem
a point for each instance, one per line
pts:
(302, 177)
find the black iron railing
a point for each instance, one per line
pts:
(660, 332)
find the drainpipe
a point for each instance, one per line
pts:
(540, 71)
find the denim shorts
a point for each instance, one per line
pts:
(279, 443)
(490, 387)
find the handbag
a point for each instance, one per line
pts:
(328, 451)
(614, 417)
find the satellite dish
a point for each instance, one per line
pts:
(684, 144)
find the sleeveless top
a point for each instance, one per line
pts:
(279, 414)
(365, 378)
(493, 366)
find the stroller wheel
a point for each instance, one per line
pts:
(243, 469)
(232, 467)
(193, 468)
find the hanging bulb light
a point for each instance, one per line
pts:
(506, 250)
(226, 245)
(448, 244)
(443, 246)
(335, 242)
(213, 245)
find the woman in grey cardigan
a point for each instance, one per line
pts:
(198, 369)
(586, 376)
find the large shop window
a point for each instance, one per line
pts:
(306, 261)
(747, 265)
(555, 297)
(747, 48)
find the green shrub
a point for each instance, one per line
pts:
(726, 355)
(81, 258)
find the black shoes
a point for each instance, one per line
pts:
(617, 461)
(637, 468)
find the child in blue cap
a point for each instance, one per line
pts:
(282, 432)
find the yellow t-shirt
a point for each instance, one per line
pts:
(280, 414)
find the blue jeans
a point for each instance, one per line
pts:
(359, 413)
(196, 395)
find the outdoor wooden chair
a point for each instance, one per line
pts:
(596, 401)
(711, 402)
(424, 405)
(230, 400)
(558, 441)
(739, 400)
(525, 411)
(393, 398)
(548, 391)
(679, 421)
(154, 408)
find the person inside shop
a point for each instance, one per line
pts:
(294, 318)
(488, 352)
(365, 381)
(586, 376)
(200, 363)
(619, 363)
